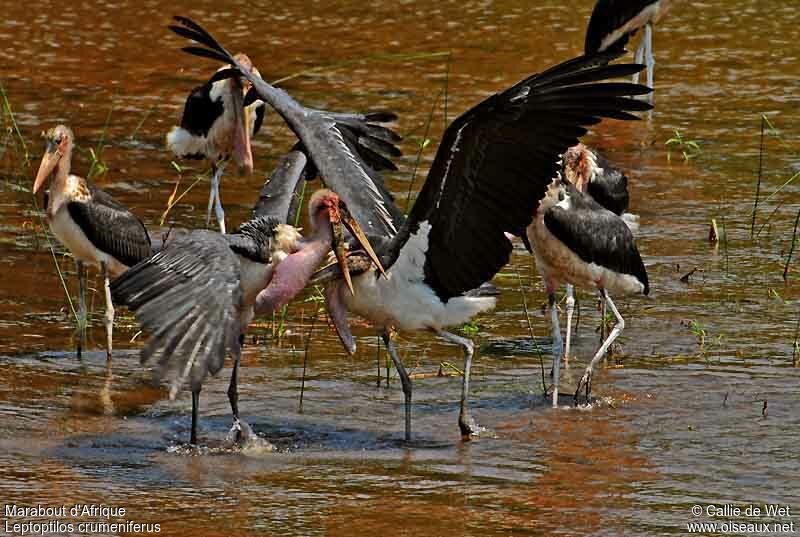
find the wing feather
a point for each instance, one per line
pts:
(495, 161)
(188, 297)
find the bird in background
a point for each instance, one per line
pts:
(592, 174)
(217, 125)
(575, 240)
(92, 225)
(613, 22)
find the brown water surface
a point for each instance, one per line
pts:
(678, 423)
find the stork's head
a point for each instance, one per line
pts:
(579, 166)
(59, 146)
(326, 208)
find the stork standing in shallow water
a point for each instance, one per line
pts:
(614, 21)
(593, 174)
(215, 125)
(197, 295)
(575, 240)
(89, 223)
(493, 165)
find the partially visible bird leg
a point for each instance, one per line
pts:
(586, 379)
(109, 318)
(650, 60)
(638, 58)
(195, 407)
(233, 390)
(465, 421)
(81, 331)
(213, 197)
(570, 311)
(405, 380)
(558, 344)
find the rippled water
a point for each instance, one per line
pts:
(678, 423)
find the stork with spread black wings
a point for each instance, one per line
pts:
(492, 167)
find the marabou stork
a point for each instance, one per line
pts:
(614, 21)
(593, 174)
(89, 223)
(199, 293)
(577, 241)
(493, 165)
(215, 125)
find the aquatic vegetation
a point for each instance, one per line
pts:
(690, 149)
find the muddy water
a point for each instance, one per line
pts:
(679, 423)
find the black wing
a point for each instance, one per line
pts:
(341, 168)
(188, 297)
(201, 111)
(495, 161)
(609, 16)
(609, 188)
(596, 235)
(110, 227)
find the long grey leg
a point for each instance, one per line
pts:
(195, 408)
(586, 379)
(638, 58)
(212, 192)
(220, 213)
(109, 318)
(650, 60)
(558, 345)
(82, 315)
(465, 421)
(570, 311)
(405, 380)
(233, 390)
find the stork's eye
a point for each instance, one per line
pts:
(58, 140)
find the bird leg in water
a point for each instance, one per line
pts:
(465, 421)
(586, 379)
(109, 318)
(405, 380)
(650, 60)
(638, 57)
(570, 311)
(214, 198)
(81, 330)
(558, 344)
(195, 407)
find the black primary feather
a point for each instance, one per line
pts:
(111, 227)
(187, 296)
(596, 235)
(495, 161)
(610, 188)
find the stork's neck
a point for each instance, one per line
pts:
(59, 182)
(292, 274)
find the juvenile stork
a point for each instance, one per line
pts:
(613, 22)
(493, 165)
(196, 296)
(577, 241)
(89, 223)
(215, 125)
(593, 174)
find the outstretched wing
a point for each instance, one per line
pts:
(111, 227)
(495, 161)
(187, 297)
(323, 134)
